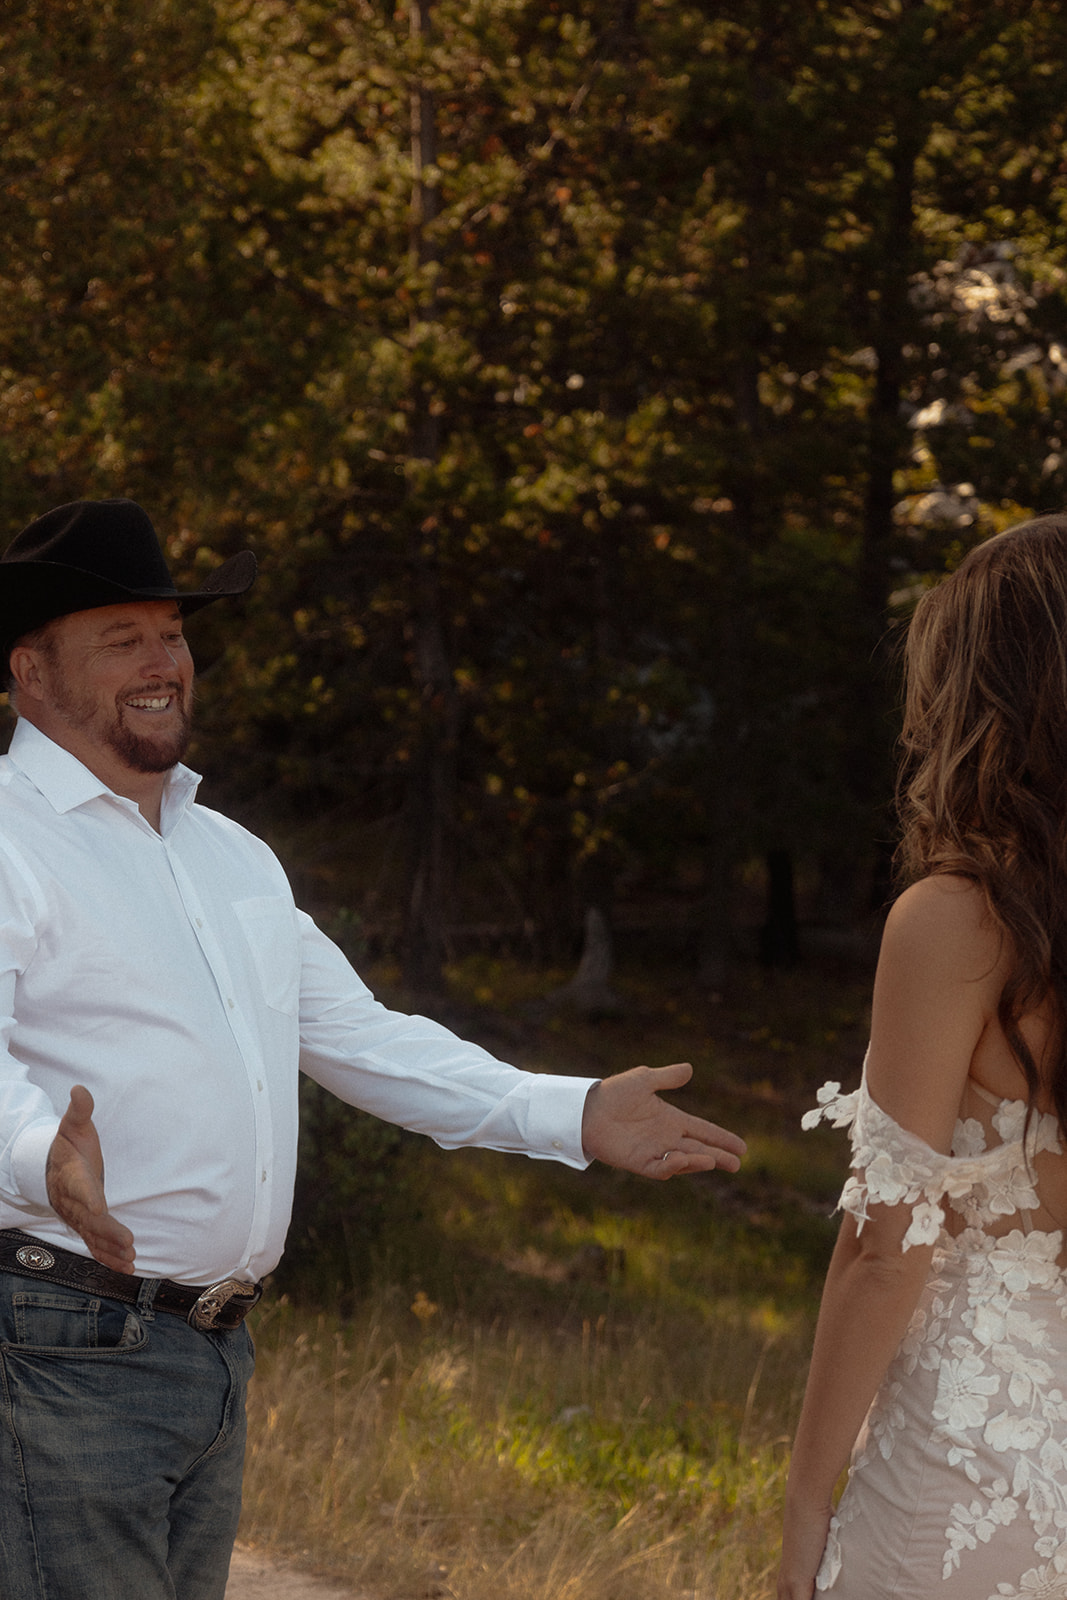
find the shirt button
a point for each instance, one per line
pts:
(229, 1002)
(557, 1144)
(199, 922)
(259, 1085)
(263, 1176)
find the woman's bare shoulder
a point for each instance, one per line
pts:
(943, 924)
(940, 974)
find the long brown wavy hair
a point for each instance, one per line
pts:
(982, 790)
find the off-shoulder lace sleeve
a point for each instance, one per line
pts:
(893, 1167)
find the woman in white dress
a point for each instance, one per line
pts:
(940, 1360)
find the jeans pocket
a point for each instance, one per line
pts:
(51, 1320)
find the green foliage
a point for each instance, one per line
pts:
(351, 1187)
(584, 437)
(564, 1383)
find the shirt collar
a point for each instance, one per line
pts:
(66, 783)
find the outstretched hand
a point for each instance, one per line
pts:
(75, 1179)
(626, 1124)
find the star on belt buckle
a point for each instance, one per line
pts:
(205, 1314)
(35, 1257)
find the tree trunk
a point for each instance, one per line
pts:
(589, 991)
(431, 792)
(868, 760)
(715, 921)
(779, 940)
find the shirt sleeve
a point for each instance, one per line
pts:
(412, 1071)
(891, 1166)
(28, 1119)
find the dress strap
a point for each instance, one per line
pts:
(985, 1094)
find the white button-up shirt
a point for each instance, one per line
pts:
(172, 975)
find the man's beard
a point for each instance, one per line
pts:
(148, 755)
(137, 751)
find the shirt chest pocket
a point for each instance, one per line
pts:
(269, 928)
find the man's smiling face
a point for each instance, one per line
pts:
(117, 683)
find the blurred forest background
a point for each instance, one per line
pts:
(596, 385)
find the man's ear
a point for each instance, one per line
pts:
(26, 672)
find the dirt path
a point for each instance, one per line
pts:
(256, 1577)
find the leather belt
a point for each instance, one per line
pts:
(221, 1306)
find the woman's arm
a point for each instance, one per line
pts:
(939, 977)
(871, 1291)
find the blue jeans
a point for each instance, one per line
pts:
(122, 1435)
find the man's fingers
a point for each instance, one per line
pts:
(109, 1242)
(702, 1157)
(118, 1257)
(710, 1134)
(671, 1077)
(696, 1129)
(80, 1111)
(75, 1179)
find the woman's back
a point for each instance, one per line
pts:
(958, 1484)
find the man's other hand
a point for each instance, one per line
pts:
(626, 1124)
(75, 1178)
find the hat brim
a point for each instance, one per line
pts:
(35, 592)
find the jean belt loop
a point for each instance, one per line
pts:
(145, 1298)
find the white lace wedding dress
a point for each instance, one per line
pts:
(958, 1483)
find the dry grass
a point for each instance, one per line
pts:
(422, 1459)
(566, 1385)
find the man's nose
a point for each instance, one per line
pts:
(160, 658)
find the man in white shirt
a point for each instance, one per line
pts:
(158, 992)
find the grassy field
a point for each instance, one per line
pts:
(556, 1384)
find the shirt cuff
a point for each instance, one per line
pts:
(554, 1125)
(29, 1162)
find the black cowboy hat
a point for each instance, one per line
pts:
(96, 553)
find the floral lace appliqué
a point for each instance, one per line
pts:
(894, 1167)
(989, 1334)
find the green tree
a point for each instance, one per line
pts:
(587, 381)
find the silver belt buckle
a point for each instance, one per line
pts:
(212, 1303)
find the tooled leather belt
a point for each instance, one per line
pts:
(219, 1307)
